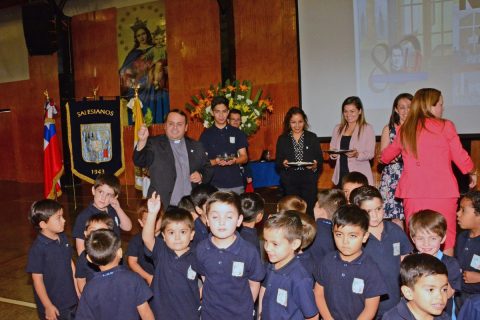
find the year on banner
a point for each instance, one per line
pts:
(95, 138)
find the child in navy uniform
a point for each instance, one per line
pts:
(199, 196)
(350, 283)
(309, 231)
(328, 201)
(286, 292)
(105, 199)
(176, 294)
(252, 210)
(115, 292)
(230, 266)
(387, 243)
(136, 258)
(351, 181)
(424, 285)
(50, 263)
(428, 231)
(85, 270)
(467, 247)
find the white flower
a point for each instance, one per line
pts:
(208, 109)
(248, 101)
(249, 124)
(228, 96)
(256, 112)
(205, 124)
(240, 97)
(244, 119)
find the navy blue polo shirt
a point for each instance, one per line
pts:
(467, 252)
(348, 284)
(113, 294)
(84, 268)
(219, 141)
(250, 235)
(323, 242)
(387, 253)
(308, 263)
(53, 259)
(401, 312)
(176, 294)
(136, 249)
(226, 291)
(288, 293)
(201, 232)
(454, 277)
(82, 218)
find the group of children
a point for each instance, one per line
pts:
(203, 259)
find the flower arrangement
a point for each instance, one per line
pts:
(239, 96)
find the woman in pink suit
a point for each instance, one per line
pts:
(428, 145)
(353, 133)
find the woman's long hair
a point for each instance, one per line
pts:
(286, 121)
(361, 122)
(422, 101)
(394, 117)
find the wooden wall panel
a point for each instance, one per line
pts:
(21, 131)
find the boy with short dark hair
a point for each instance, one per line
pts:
(252, 209)
(428, 230)
(85, 270)
(176, 294)
(467, 247)
(286, 292)
(105, 199)
(351, 181)
(328, 201)
(230, 266)
(115, 292)
(199, 196)
(349, 284)
(424, 284)
(387, 243)
(50, 263)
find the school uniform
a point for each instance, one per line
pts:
(308, 263)
(401, 312)
(136, 249)
(250, 235)
(52, 259)
(176, 294)
(323, 242)
(454, 279)
(467, 252)
(386, 253)
(113, 294)
(84, 269)
(288, 293)
(226, 291)
(348, 284)
(201, 232)
(82, 218)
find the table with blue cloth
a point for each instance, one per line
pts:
(264, 174)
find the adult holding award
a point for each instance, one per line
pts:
(353, 142)
(299, 158)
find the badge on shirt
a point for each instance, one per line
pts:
(191, 274)
(396, 249)
(358, 285)
(475, 263)
(237, 269)
(232, 139)
(282, 297)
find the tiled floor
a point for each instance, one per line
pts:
(17, 235)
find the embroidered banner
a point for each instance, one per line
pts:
(95, 138)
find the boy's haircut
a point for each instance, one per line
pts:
(201, 193)
(42, 210)
(234, 111)
(418, 265)
(330, 200)
(474, 196)
(102, 246)
(364, 193)
(219, 100)
(292, 202)
(230, 198)
(186, 203)
(351, 214)
(110, 180)
(252, 204)
(142, 208)
(100, 217)
(309, 230)
(428, 220)
(355, 177)
(177, 215)
(289, 221)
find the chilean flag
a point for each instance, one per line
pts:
(53, 164)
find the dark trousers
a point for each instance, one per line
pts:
(302, 183)
(65, 314)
